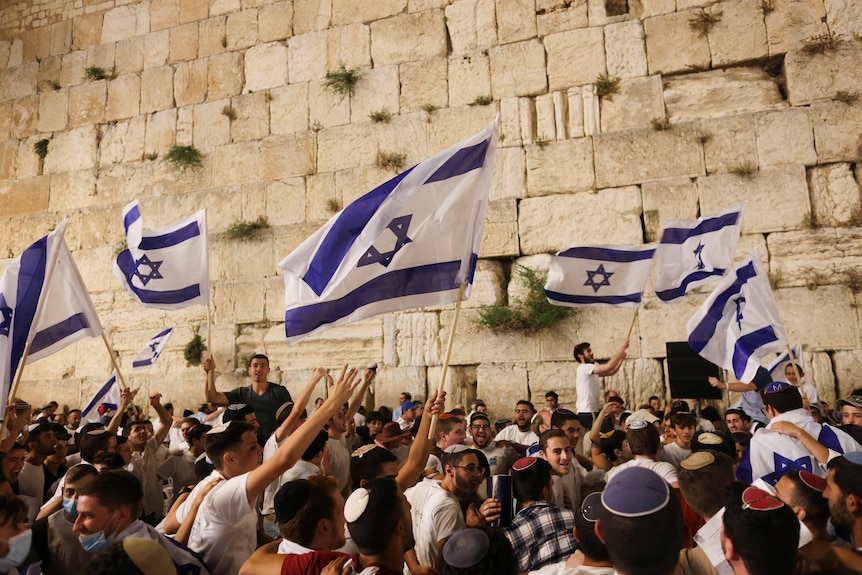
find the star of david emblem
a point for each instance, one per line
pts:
(600, 271)
(154, 274)
(739, 301)
(783, 465)
(399, 226)
(5, 316)
(698, 252)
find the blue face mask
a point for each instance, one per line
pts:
(70, 506)
(19, 547)
(96, 541)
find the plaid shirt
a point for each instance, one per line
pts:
(540, 534)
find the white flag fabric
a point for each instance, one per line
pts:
(43, 301)
(167, 267)
(152, 350)
(411, 242)
(776, 368)
(106, 400)
(738, 324)
(599, 275)
(695, 252)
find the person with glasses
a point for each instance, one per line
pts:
(483, 440)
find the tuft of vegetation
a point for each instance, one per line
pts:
(767, 6)
(744, 170)
(541, 142)
(482, 101)
(855, 218)
(229, 112)
(151, 156)
(660, 124)
(99, 73)
(530, 315)
(809, 221)
(54, 84)
(383, 115)
(184, 157)
(41, 148)
(703, 138)
(775, 279)
(333, 205)
(815, 280)
(502, 137)
(194, 350)
(245, 230)
(224, 41)
(342, 81)
(120, 248)
(821, 43)
(390, 160)
(316, 126)
(429, 108)
(853, 280)
(607, 86)
(702, 21)
(845, 97)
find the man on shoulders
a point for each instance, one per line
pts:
(587, 379)
(519, 436)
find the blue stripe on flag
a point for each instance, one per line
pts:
(133, 215)
(142, 363)
(127, 265)
(100, 394)
(680, 235)
(160, 334)
(829, 439)
(31, 282)
(702, 334)
(344, 232)
(179, 236)
(746, 345)
(400, 283)
(463, 161)
(59, 331)
(585, 299)
(679, 291)
(608, 254)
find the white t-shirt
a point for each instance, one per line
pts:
(144, 466)
(31, 482)
(339, 459)
(665, 470)
(512, 434)
(673, 454)
(288, 547)
(587, 388)
(436, 515)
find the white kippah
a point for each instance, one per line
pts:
(355, 505)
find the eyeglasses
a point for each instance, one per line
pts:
(472, 469)
(480, 427)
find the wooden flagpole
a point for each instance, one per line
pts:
(209, 329)
(632, 326)
(461, 289)
(114, 361)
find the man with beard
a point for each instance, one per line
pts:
(480, 429)
(587, 379)
(519, 436)
(844, 493)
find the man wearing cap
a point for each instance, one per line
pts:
(851, 409)
(407, 416)
(498, 458)
(519, 436)
(403, 397)
(587, 379)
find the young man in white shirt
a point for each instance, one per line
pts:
(587, 379)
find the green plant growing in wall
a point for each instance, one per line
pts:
(120, 248)
(342, 81)
(660, 124)
(846, 97)
(229, 112)
(184, 157)
(151, 156)
(853, 280)
(333, 205)
(41, 148)
(246, 230)
(607, 86)
(821, 43)
(99, 73)
(744, 170)
(390, 160)
(702, 21)
(194, 350)
(380, 116)
(482, 101)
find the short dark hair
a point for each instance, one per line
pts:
(499, 559)
(111, 460)
(115, 489)
(93, 443)
(259, 356)
(368, 464)
(526, 402)
(683, 420)
(76, 472)
(372, 530)
(735, 411)
(407, 394)
(60, 432)
(129, 427)
(236, 413)
(704, 488)
(848, 476)
(228, 440)
(812, 501)
(37, 432)
(197, 432)
(644, 441)
(580, 349)
(374, 416)
(561, 416)
(553, 394)
(550, 434)
(527, 484)
(319, 504)
(12, 509)
(608, 442)
(316, 446)
(782, 401)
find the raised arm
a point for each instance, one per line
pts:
(301, 402)
(613, 365)
(16, 424)
(596, 429)
(213, 396)
(732, 385)
(412, 469)
(359, 396)
(817, 449)
(126, 397)
(185, 529)
(164, 418)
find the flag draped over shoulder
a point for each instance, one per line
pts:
(43, 302)
(105, 400)
(776, 368)
(410, 242)
(168, 267)
(695, 252)
(738, 324)
(599, 275)
(148, 356)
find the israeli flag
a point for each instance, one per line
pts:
(410, 242)
(168, 267)
(780, 363)
(599, 275)
(696, 252)
(43, 303)
(106, 400)
(738, 324)
(152, 350)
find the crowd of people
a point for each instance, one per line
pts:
(257, 482)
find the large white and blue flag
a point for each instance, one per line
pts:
(780, 363)
(410, 242)
(738, 324)
(167, 267)
(599, 275)
(695, 252)
(151, 352)
(105, 400)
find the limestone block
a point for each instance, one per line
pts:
(664, 200)
(29, 165)
(546, 125)
(53, 110)
(56, 366)
(185, 126)
(844, 17)
(307, 57)
(238, 301)
(553, 223)
(349, 45)
(410, 339)
(191, 10)
(183, 43)
(408, 37)
(848, 366)
(325, 108)
(469, 78)
(229, 259)
(501, 386)
(252, 117)
(391, 381)
(720, 93)
(224, 6)
(501, 229)
(283, 158)
(359, 344)
(91, 263)
(8, 157)
(157, 89)
(636, 381)
(164, 14)
(740, 34)
(190, 83)
(5, 120)
(672, 46)
(241, 29)
(728, 143)
(509, 174)
(161, 131)
(320, 190)
(450, 126)
(376, 90)
(835, 195)
(225, 76)
(78, 147)
(24, 230)
(827, 254)
(37, 44)
(212, 38)
(575, 105)
(631, 157)
(836, 327)
(122, 142)
(87, 104)
(288, 109)
(818, 371)
(348, 12)
(24, 197)
(275, 22)
(553, 16)
(516, 20)
(86, 30)
(813, 77)
(791, 22)
(471, 25)
(311, 15)
(785, 137)
(460, 385)
(130, 55)
(71, 190)
(489, 284)
(510, 123)
(836, 133)
(638, 102)
(777, 197)
(25, 114)
(345, 147)
(16, 53)
(625, 49)
(602, 12)
(574, 58)
(644, 8)
(424, 83)
(544, 175)
(71, 70)
(60, 37)
(664, 323)
(475, 345)
(285, 201)
(408, 134)
(49, 71)
(211, 126)
(156, 49)
(236, 163)
(558, 376)
(518, 69)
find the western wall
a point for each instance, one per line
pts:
(716, 103)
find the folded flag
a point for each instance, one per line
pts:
(410, 242)
(738, 324)
(695, 252)
(599, 275)
(153, 349)
(106, 400)
(778, 365)
(168, 267)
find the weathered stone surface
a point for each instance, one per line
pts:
(391, 381)
(848, 365)
(71, 190)
(212, 36)
(288, 109)
(660, 323)
(184, 43)
(553, 223)
(238, 301)
(25, 114)
(829, 255)
(516, 20)
(518, 69)
(411, 339)
(252, 117)
(625, 49)
(325, 108)
(307, 57)
(471, 25)
(225, 76)
(8, 157)
(835, 197)
(638, 156)
(122, 142)
(785, 137)
(636, 381)
(236, 163)
(211, 126)
(489, 284)
(275, 22)
(376, 90)
(672, 46)
(349, 45)
(29, 164)
(284, 158)
(424, 84)
(118, 24)
(509, 174)
(311, 15)
(347, 11)
(157, 89)
(86, 30)
(408, 134)
(78, 150)
(728, 143)
(191, 10)
(554, 16)
(638, 102)
(836, 132)
(740, 34)
(359, 344)
(460, 385)
(836, 327)
(87, 104)
(241, 29)
(544, 173)
(71, 71)
(546, 125)
(664, 200)
(815, 77)
(53, 110)
(28, 196)
(285, 201)
(345, 147)
(156, 49)
(645, 8)
(229, 259)
(408, 37)
(190, 83)
(501, 385)
(574, 58)
(130, 55)
(844, 17)
(793, 21)
(501, 230)
(469, 78)
(164, 14)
